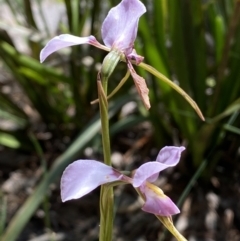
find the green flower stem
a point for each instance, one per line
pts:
(121, 83)
(104, 121)
(106, 210)
(106, 196)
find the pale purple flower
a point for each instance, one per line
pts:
(119, 31)
(83, 176)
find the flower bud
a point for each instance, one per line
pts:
(109, 63)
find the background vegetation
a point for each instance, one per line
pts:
(45, 113)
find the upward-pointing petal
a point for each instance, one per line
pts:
(170, 155)
(62, 41)
(119, 28)
(147, 172)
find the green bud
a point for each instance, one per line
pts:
(109, 63)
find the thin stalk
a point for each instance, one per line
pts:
(106, 196)
(121, 83)
(103, 104)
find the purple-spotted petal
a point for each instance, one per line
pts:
(167, 157)
(83, 176)
(119, 28)
(170, 155)
(62, 41)
(157, 202)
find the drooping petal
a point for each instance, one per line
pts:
(170, 155)
(66, 40)
(157, 202)
(119, 28)
(167, 157)
(140, 84)
(83, 176)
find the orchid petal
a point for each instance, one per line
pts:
(134, 56)
(140, 84)
(157, 202)
(147, 172)
(170, 155)
(167, 157)
(119, 28)
(62, 41)
(83, 176)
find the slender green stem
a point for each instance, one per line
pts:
(106, 197)
(121, 83)
(102, 90)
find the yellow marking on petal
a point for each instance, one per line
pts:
(155, 189)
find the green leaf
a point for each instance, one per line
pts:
(219, 37)
(235, 106)
(232, 129)
(9, 141)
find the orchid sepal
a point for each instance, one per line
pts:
(75, 183)
(119, 29)
(67, 40)
(174, 86)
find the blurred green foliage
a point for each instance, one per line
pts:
(194, 43)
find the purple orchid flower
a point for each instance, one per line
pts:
(119, 31)
(83, 176)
